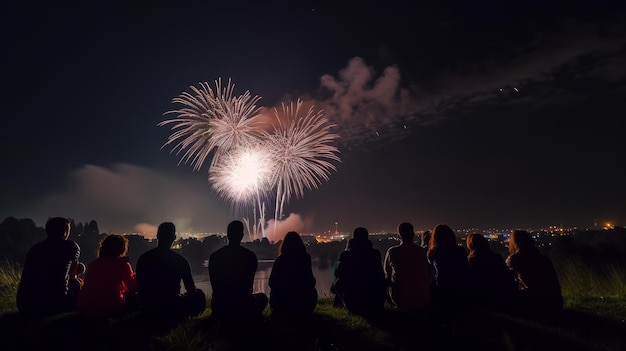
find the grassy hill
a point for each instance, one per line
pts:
(592, 320)
(329, 329)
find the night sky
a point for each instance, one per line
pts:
(470, 113)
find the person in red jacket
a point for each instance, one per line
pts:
(110, 285)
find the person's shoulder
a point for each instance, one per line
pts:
(72, 244)
(147, 254)
(414, 247)
(121, 261)
(513, 259)
(302, 257)
(248, 252)
(175, 255)
(39, 246)
(544, 259)
(345, 254)
(395, 248)
(219, 252)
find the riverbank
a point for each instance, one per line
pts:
(329, 329)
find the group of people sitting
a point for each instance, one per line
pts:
(443, 274)
(50, 282)
(414, 277)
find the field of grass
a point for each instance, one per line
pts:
(10, 274)
(600, 291)
(593, 320)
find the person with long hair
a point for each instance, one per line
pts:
(293, 294)
(491, 281)
(449, 262)
(110, 284)
(534, 272)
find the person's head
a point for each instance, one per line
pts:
(234, 232)
(520, 240)
(442, 237)
(406, 232)
(360, 233)
(477, 243)
(292, 244)
(113, 245)
(166, 234)
(58, 228)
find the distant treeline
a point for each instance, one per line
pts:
(594, 248)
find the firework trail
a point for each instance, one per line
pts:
(213, 121)
(301, 145)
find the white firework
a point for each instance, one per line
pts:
(243, 175)
(213, 121)
(302, 147)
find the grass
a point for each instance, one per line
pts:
(600, 291)
(593, 320)
(10, 275)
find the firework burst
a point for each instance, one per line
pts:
(243, 175)
(301, 145)
(212, 121)
(250, 159)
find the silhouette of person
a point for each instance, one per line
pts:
(408, 271)
(491, 280)
(292, 295)
(449, 262)
(534, 272)
(159, 275)
(45, 287)
(359, 277)
(231, 271)
(110, 285)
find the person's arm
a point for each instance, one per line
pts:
(274, 273)
(129, 278)
(73, 271)
(309, 270)
(387, 267)
(190, 286)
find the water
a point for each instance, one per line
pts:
(322, 272)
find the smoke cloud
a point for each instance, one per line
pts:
(147, 230)
(374, 107)
(363, 105)
(275, 231)
(126, 197)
